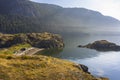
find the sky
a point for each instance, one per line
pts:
(106, 7)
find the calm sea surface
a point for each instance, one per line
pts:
(105, 64)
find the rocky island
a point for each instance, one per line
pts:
(102, 45)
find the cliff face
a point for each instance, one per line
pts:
(40, 40)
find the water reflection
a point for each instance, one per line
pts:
(106, 64)
(100, 63)
(50, 52)
(79, 53)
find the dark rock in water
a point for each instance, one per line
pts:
(102, 45)
(40, 40)
(82, 67)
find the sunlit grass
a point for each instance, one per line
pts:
(14, 48)
(39, 68)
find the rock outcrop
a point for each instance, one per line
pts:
(102, 45)
(83, 68)
(40, 40)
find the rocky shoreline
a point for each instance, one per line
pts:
(39, 40)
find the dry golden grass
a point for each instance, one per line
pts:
(14, 48)
(39, 68)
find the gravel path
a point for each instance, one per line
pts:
(29, 51)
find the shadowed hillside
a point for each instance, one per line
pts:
(18, 16)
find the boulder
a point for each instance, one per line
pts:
(82, 67)
(22, 49)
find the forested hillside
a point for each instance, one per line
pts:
(18, 16)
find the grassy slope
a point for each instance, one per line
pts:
(39, 68)
(14, 48)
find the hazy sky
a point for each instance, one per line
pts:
(106, 7)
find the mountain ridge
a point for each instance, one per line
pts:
(27, 16)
